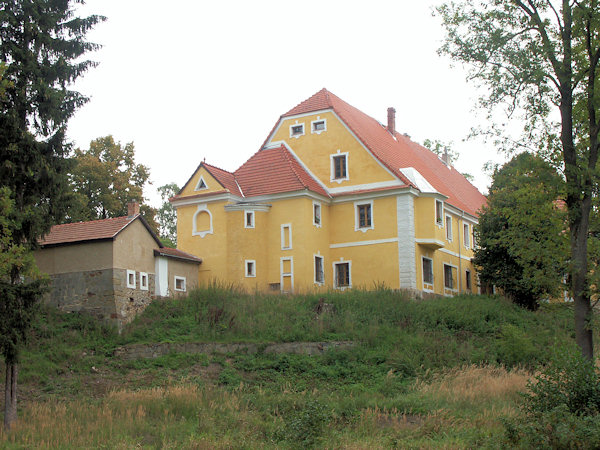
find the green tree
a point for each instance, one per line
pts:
(41, 45)
(538, 60)
(167, 216)
(105, 178)
(522, 245)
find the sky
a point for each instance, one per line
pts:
(194, 80)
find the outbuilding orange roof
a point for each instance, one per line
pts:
(86, 231)
(176, 254)
(398, 151)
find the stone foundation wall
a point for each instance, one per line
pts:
(90, 292)
(130, 302)
(102, 293)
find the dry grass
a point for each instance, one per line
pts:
(476, 383)
(174, 417)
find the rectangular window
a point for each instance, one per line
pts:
(249, 219)
(180, 284)
(474, 238)
(448, 279)
(317, 214)
(286, 236)
(339, 167)
(297, 130)
(319, 274)
(250, 268)
(143, 281)
(468, 280)
(439, 213)
(449, 228)
(131, 279)
(342, 275)
(466, 235)
(428, 272)
(318, 126)
(363, 220)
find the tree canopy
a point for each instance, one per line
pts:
(522, 242)
(105, 178)
(538, 60)
(167, 215)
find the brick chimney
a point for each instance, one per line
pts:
(133, 209)
(392, 121)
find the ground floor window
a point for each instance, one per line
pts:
(180, 284)
(319, 275)
(448, 277)
(428, 273)
(342, 274)
(468, 280)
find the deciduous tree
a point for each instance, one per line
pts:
(538, 60)
(521, 236)
(166, 214)
(105, 178)
(41, 44)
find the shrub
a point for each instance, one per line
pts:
(562, 406)
(304, 426)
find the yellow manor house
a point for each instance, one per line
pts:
(333, 199)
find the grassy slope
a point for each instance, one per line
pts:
(424, 373)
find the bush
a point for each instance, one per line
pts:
(304, 426)
(562, 406)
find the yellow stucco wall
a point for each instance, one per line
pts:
(315, 150)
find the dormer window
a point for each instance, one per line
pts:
(297, 130)
(318, 126)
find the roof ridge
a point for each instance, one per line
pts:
(92, 221)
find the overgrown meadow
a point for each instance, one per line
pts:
(442, 372)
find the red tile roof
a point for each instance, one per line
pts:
(275, 170)
(227, 179)
(177, 254)
(398, 151)
(86, 231)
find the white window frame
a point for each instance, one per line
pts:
(317, 205)
(334, 264)
(332, 167)
(283, 228)
(454, 287)
(357, 226)
(252, 223)
(468, 274)
(317, 282)
(448, 225)
(440, 224)
(297, 135)
(312, 125)
(200, 181)
(473, 237)
(144, 285)
(289, 274)
(466, 235)
(175, 280)
(250, 274)
(432, 284)
(195, 232)
(129, 274)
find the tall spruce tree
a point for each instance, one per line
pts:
(540, 63)
(41, 42)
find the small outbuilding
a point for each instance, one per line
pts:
(112, 268)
